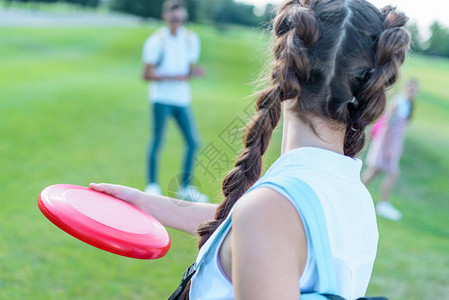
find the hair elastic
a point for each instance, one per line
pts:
(353, 100)
(353, 129)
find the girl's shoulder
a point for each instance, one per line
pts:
(267, 216)
(272, 201)
(267, 234)
(261, 202)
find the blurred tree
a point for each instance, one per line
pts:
(233, 12)
(270, 11)
(416, 42)
(268, 15)
(192, 8)
(89, 3)
(150, 8)
(439, 40)
(207, 9)
(141, 8)
(84, 3)
(228, 12)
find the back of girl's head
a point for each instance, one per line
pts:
(334, 59)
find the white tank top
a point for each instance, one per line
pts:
(349, 214)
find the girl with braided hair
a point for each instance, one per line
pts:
(307, 227)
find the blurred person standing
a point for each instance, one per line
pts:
(169, 56)
(386, 147)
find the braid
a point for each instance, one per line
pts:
(249, 164)
(392, 48)
(296, 30)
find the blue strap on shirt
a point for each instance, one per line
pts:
(308, 205)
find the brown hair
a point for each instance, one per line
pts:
(171, 5)
(334, 59)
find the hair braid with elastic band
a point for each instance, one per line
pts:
(392, 47)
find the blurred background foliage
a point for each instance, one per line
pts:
(225, 12)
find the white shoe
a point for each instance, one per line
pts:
(191, 193)
(388, 211)
(153, 188)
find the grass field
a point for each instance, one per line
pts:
(74, 110)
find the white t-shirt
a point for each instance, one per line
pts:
(172, 56)
(350, 218)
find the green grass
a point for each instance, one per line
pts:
(74, 110)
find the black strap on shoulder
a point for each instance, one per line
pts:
(188, 274)
(333, 297)
(185, 280)
(336, 297)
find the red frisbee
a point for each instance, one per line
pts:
(104, 221)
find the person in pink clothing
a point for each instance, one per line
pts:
(386, 147)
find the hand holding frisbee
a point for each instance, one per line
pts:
(105, 221)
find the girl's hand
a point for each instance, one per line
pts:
(182, 215)
(130, 195)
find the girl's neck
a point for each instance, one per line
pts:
(296, 133)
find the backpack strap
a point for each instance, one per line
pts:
(335, 297)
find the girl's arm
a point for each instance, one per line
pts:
(268, 247)
(183, 215)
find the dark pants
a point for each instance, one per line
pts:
(184, 118)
